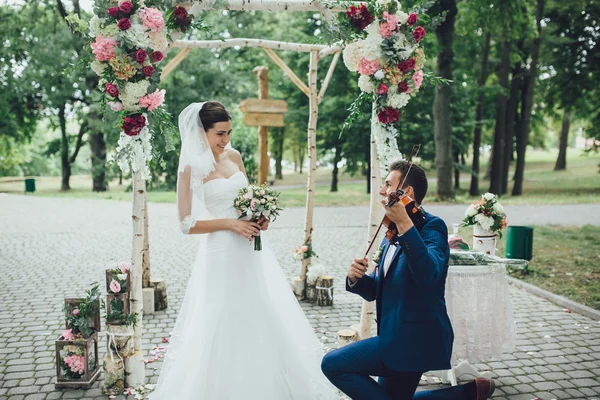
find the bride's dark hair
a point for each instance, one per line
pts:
(213, 112)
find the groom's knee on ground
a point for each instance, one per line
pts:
(329, 364)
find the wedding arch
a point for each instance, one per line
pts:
(130, 75)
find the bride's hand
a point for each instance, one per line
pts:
(245, 228)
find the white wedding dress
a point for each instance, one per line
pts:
(240, 333)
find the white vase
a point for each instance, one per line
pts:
(484, 241)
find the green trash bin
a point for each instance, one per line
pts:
(519, 242)
(29, 185)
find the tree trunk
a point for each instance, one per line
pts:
(527, 104)
(456, 171)
(98, 147)
(511, 118)
(278, 152)
(441, 104)
(499, 133)
(64, 149)
(334, 174)
(561, 161)
(262, 73)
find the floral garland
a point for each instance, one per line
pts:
(487, 213)
(382, 45)
(129, 41)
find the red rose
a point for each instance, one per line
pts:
(126, 7)
(383, 89)
(133, 124)
(141, 55)
(407, 65)
(412, 19)
(180, 13)
(388, 115)
(157, 56)
(111, 89)
(148, 70)
(113, 12)
(403, 87)
(419, 33)
(359, 18)
(124, 24)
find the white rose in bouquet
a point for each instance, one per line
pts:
(498, 208)
(489, 196)
(471, 211)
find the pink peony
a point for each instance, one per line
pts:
(104, 48)
(113, 12)
(157, 56)
(419, 34)
(152, 19)
(115, 105)
(67, 334)
(124, 24)
(126, 7)
(412, 19)
(153, 100)
(124, 266)
(418, 78)
(114, 286)
(111, 89)
(76, 312)
(141, 55)
(383, 89)
(388, 27)
(148, 70)
(366, 67)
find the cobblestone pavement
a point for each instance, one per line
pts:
(52, 248)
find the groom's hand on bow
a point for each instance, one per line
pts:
(357, 270)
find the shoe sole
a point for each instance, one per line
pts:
(492, 388)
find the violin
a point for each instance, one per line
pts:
(415, 213)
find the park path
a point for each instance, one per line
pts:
(51, 248)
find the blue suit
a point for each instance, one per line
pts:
(414, 333)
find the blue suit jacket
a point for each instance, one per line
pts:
(415, 333)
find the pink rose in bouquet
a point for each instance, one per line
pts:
(114, 286)
(126, 7)
(124, 24)
(366, 67)
(141, 55)
(412, 19)
(419, 34)
(113, 12)
(111, 89)
(383, 89)
(418, 78)
(148, 70)
(157, 56)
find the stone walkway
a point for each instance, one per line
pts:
(51, 248)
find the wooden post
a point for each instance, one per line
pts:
(262, 73)
(367, 311)
(313, 103)
(134, 365)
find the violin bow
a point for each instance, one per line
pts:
(391, 202)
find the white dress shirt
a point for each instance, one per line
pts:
(388, 259)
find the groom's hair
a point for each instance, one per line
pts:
(416, 178)
(213, 112)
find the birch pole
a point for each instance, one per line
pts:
(367, 310)
(262, 73)
(313, 104)
(134, 365)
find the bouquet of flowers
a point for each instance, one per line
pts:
(487, 213)
(78, 316)
(305, 250)
(72, 361)
(377, 255)
(255, 203)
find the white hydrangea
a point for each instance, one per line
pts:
(110, 30)
(379, 75)
(498, 208)
(137, 34)
(364, 83)
(402, 17)
(314, 272)
(471, 211)
(402, 46)
(484, 221)
(489, 196)
(398, 100)
(372, 44)
(95, 26)
(159, 41)
(98, 67)
(352, 54)
(131, 93)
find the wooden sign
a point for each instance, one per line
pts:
(264, 106)
(263, 119)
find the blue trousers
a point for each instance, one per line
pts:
(350, 369)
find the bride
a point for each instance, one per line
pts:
(240, 333)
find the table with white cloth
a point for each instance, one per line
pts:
(478, 302)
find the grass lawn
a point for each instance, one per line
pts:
(566, 261)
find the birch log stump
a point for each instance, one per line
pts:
(114, 376)
(324, 291)
(347, 336)
(134, 365)
(311, 291)
(367, 311)
(160, 294)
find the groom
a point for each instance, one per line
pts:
(414, 333)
